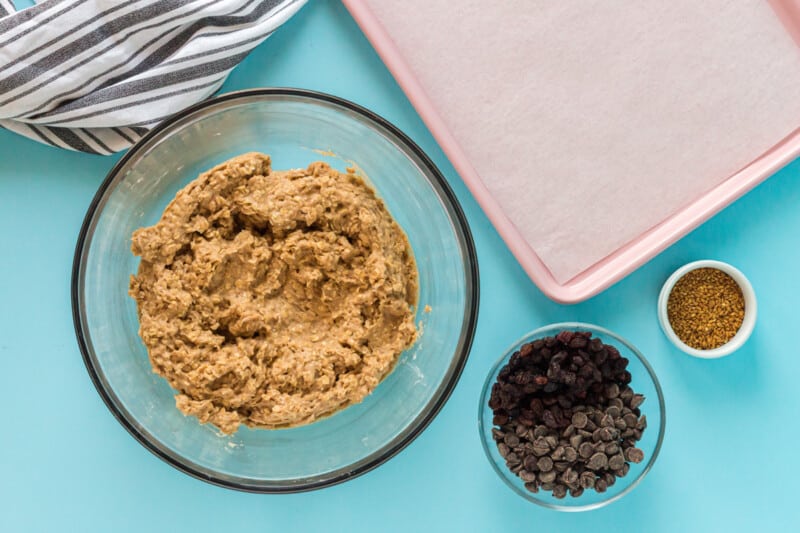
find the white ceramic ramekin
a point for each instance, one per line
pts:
(750, 310)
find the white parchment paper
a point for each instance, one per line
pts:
(591, 121)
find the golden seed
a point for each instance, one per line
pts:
(705, 308)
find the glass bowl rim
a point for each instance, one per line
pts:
(484, 398)
(465, 242)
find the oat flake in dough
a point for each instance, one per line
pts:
(273, 298)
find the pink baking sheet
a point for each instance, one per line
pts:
(594, 133)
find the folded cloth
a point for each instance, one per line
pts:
(96, 75)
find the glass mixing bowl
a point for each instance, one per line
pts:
(643, 381)
(294, 127)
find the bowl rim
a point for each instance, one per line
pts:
(506, 475)
(466, 243)
(750, 309)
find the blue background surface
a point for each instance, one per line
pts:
(729, 460)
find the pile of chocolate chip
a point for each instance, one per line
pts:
(566, 418)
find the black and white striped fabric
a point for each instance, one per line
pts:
(95, 75)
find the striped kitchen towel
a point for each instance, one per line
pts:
(96, 75)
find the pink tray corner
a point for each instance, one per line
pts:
(625, 259)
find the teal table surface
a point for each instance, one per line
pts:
(729, 459)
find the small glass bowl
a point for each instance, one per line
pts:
(643, 381)
(294, 127)
(750, 310)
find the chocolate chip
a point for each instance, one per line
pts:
(539, 451)
(607, 434)
(532, 486)
(579, 420)
(600, 447)
(570, 454)
(597, 461)
(547, 477)
(616, 462)
(570, 477)
(585, 450)
(636, 401)
(634, 455)
(545, 464)
(558, 453)
(612, 391)
(503, 449)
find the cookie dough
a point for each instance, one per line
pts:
(273, 298)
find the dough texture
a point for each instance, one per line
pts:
(273, 298)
